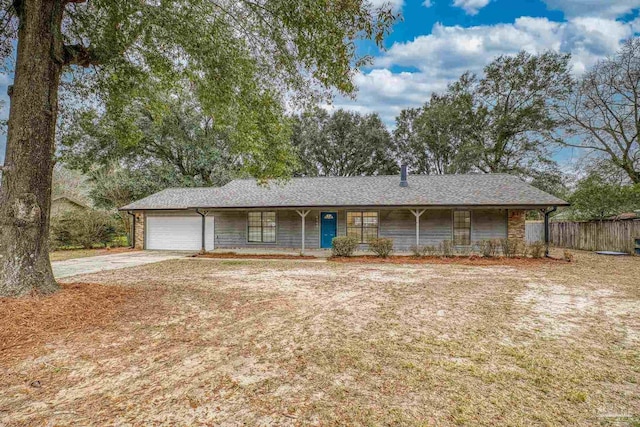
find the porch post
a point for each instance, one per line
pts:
(303, 215)
(417, 213)
(546, 229)
(204, 216)
(132, 236)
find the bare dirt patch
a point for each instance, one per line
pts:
(229, 342)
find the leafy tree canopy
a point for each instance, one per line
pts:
(431, 139)
(510, 111)
(167, 136)
(115, 187)
(597, 198)
(497, 123)
(494, 123)
(342, 144)
(553, 181)
(240, 60)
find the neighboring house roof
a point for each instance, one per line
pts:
(423, 190)
(67, 199)
(627, 216)
(568, 216)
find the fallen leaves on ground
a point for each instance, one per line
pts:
(240, 342)
(30, 321)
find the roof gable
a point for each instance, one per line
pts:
(68, 199)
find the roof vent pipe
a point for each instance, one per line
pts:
(403, 176)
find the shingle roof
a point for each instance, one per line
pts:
(423, 190)
(78, 202)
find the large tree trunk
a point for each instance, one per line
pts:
(25, 195)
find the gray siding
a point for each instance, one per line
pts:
(289, 232)
(231, 230)
(435, 226)
(398, 224)
(488, 224)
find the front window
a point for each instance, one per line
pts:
(262, 227)
(461, 228)
(362, 225)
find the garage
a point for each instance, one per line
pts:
(178, 233)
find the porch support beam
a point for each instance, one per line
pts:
(132, 236)
(204, 216)
(547, 242)
(417, 213)
(303, 215)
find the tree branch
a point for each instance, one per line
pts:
(77, 54)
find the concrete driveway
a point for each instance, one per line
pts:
(94, 264)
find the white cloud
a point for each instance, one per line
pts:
(449, 51)
(442, 56)
(599, 8)
(471, 7)
(396, 5)
(427, 3)
(591, 39)
(388, 93)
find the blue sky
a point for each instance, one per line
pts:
(440, 39)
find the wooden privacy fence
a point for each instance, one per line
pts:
(589, 236)
(596, 236)
(534, 231)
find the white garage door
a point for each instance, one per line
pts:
(178, 233)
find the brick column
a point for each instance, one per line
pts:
(139, 230)
(516, 224)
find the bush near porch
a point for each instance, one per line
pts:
(509, 248)
(344, 246)
(381, 246)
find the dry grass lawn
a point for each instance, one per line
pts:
(65, 254)
(221, 342)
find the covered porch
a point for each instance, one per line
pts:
(313, 228)
(310, 230)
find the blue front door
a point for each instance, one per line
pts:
(328, 228)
